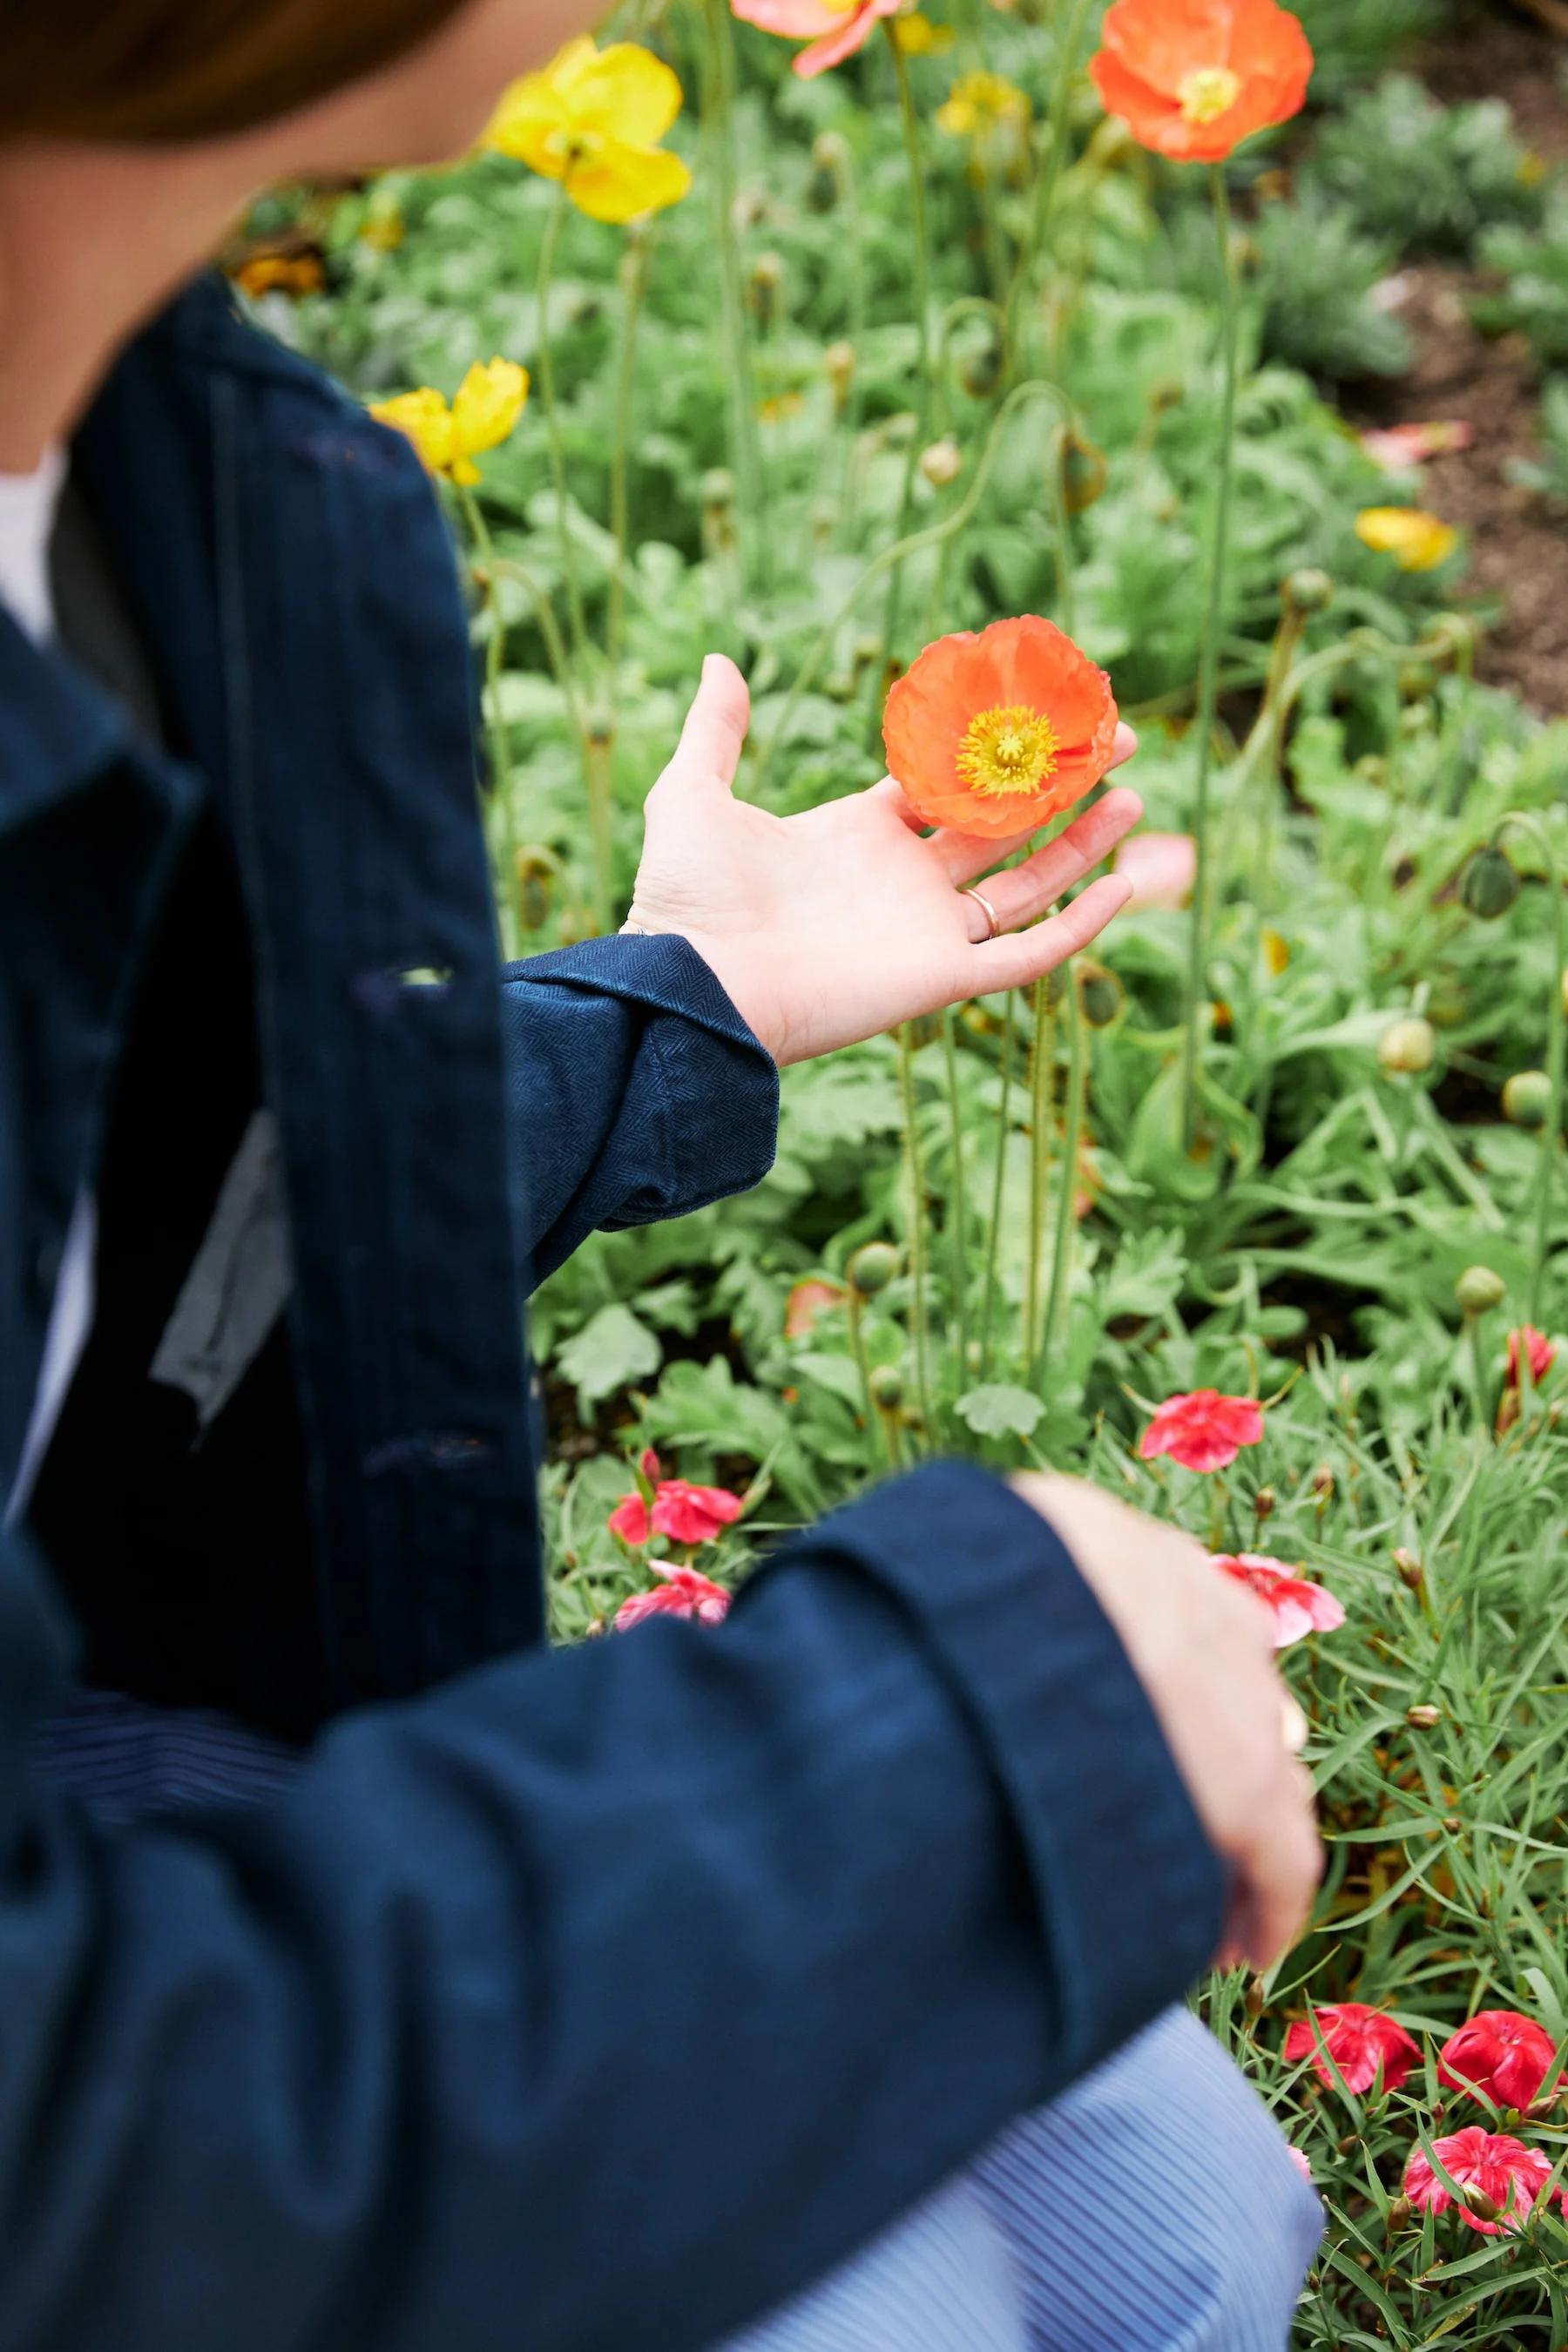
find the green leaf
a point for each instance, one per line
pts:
(1000, 1410)
(612, 1349)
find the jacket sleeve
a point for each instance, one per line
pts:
(635, 1089)
(601, 1999)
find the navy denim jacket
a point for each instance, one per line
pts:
(580, 2001)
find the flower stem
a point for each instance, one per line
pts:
(919, 270)
(874, 1418)
(1046, 176)
(1209, 674)
(633, 284)
(496, 729)
(998, 1178)
(1556, 1027)
(547, 246)
(1067, 1182)
(1041, 1088)
(718, 130)
(915, 1169)
(958, 1235)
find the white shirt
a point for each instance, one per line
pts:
(28, 505)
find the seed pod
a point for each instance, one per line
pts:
(1083, 471)
(1489, 884)
(1479, 1290)
(1101, 995)
(825, 185)
(942, 463)
(872, 1267)
(1423, 1718)
(887, 1387)
(1527, 1099)
(1407, 1045)
(1306, 589)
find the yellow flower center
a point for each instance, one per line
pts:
(1011, 749)
(1209, 91)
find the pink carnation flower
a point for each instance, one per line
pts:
(1500, 2052)
(1358, 2039)
(1203, 1431)
(1299, 1606)
(683, 1593)
(1502, 2176)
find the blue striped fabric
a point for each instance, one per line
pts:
(1152, 2209)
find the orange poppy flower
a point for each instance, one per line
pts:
(1192, 78)
(997, 733)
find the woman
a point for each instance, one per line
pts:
(499, 1998)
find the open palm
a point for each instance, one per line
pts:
(831, 926)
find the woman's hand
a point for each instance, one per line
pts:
(831, 926)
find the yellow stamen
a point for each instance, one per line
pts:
(1012, 750)
(1209, 91)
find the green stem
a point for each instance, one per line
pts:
(495, 729)
(1041, 1076)
(916, 1174)
(719, 123)
(598, 743)
(634, 284)
(920, 267)
(849, 188)
(1046, 176)
(958, 1233)
(998, 1178)
(858, 1350)
(1067, 1181)
(1197, 953)
(1061, 526)
(1556, 1028)
(546, 372)
(933, 535)
(1269, 728)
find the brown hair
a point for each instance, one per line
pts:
(154, 71)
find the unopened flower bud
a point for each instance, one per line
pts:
(763, 288)
(599, 727)
(1477, 2202)
(1084, 472)
(536, 873)
(1423, 1718)
(1306, 589)
(1479, 1290)
(1527, 1099)
(979, 370)
(839, 362)
(942, 463)
(872, 1267)
(1407, 1045)
(1101, 995)
(1252, 1999)
(887, 1387)
(868, 649)
(1399, 2213)
(1411, 1571)
(1489, 884)
(1323, 1487)
(1263, 1503)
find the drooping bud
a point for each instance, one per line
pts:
(941, 463)
(979, 370)
(1101, 995)
(887, 1387)
(872, 1267)
(1084, 471)
(1527, 1099)
(1490, 883)
(1306, 589)
(1479, 1290)
(1407, 1045)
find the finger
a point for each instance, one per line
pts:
(1019, 893)
(708, 751)
(966, 854)
(1023, 956)
(1281, 1869)
(890, 795)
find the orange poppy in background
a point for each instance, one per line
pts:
(1192, 78)
(996, 734)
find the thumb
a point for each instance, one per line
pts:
(708, 751)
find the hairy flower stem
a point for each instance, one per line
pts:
(1046, 177)
(497, 731)
(957, 1217)
(1042, 1073)
(1556, 1026)
(1209, 674)
(998, 1180)
(1067, 1179)
(546, 370)
(920, 265)
(874, 1417)
(633, 286)
(915, 1173)
(719, 134)
(1268, 731)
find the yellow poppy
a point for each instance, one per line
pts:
(488, 402)
(593, 119)
(917, 37)
(980, 102)
(1418, 541)
(282, 273)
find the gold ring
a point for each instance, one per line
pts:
(992, 919)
